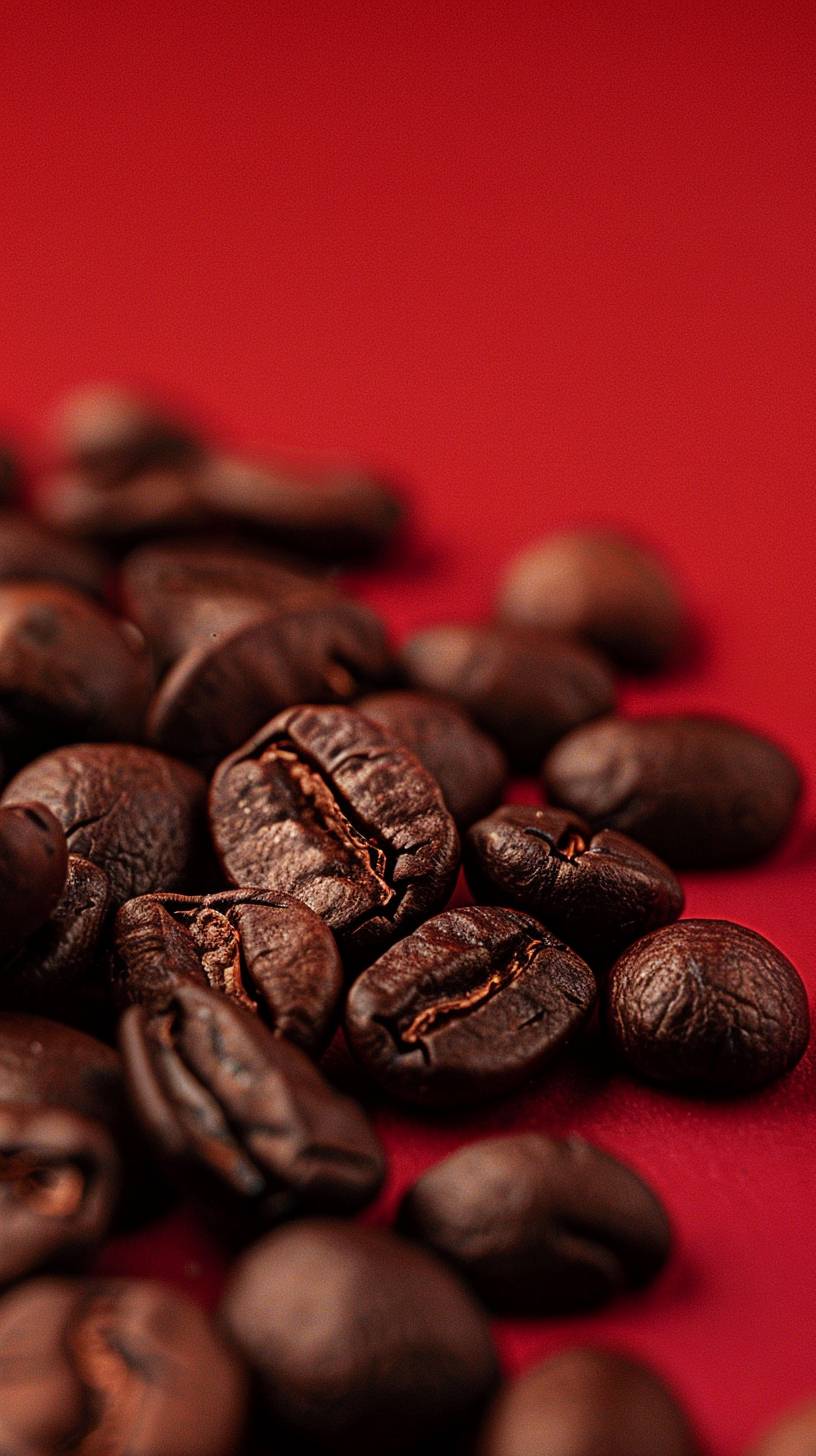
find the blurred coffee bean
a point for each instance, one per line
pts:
(540, 1226)
(586, 1402)
(598, 892)
(469, 767)
(33, 868)
(600, 586)
(113, 434)
(362, 1343)
(132, 811)
(156, 502)
(525, 688)
(468, 1007)
(11, 483)
(47, 1064)
(29, 551)
(793, 1435)
(707, 1006)
(701, 792)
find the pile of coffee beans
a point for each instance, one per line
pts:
(233, 819)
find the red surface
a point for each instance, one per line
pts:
(554, 263)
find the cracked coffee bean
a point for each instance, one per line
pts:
(134, 812)
(114, 1367)
(540, 1226)
(524, 688)
(33, 869)
(701, 792)
(29, 551)
(50, 967)
(598, 892)
(324, 805)
(707, 1006)
(793, 1435)
(586, 1402)
(361, 1342)
(599, 586)
(469, 767)
(243, 1118)
(468, 1007)
(59, 1184)
(45, 1063)
(266, 951)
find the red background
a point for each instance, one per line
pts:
(552, 263)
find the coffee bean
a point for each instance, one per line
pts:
(50, 967)
(223, 690)
(701, 792)
(59, 1182)
(469, 767)
(11, 484)
(326, 806)
(362, 1343)
(46, 1064)
(524, 688)
(467, 1007)
(244, 1119)
(33, 869)
(586, 1402)
(793, 1435)
(598, 892)
(599, 586)
(29, 551)
(132, 811)
(104, 1367)
(113, 435)
(540, 1226)
(156, 502)
(266, 951)
(707, 1006)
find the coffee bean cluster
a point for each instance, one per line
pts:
(233, 818)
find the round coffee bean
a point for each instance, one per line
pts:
(469, 767)
(707, 1006)
(244, 1119)
(324, 805)
(540, 1226)
(29, 551)
(598, 892)
(524, 688)
(47, 1064)
(793, 1435)
(113, 435)
(33, 869)
(587, 1402)
(701, 792)
(468, 1007)
(602, 587)
(268, 952)
(46, 970)
(132, 811)
(362, 1343)
(59, 1183)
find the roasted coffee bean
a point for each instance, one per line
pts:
(469, 767)
(114, 435)
(132, 811)
(33, 869)
(363, 1343)
(11, 484)
(325, 805)
(243, 1119)
(224, 689)
(68, 669)
(701, 792)
(599, 586)
(51, 964)
(266, 951)
(524, 688)
(793, 1435)
(540, 1226)
(586, 1402)
(598, 892)
(467, 1007)
(29, 551)
(47, 1064)
(114, 1367)
(707, 1006)
(59, 1183)
(156, 502)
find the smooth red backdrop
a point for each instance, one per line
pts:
(552, 263)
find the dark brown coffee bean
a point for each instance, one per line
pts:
(469, 767)
(59, 1183)
(29, 552)
(132, 811)
(362, 1343)
(223, 690)
(11, 483)
(114, 1367)
(793, 1435)
(701, 792)
(244, 1119)
(156, 502)
(33, 868)
(599, 586)
(540, 1226)
(49, 968)
(266, 951)
(114, 435)
(587, 1402)
(46, 1064)
(524, 688)
(707, 1006)
(468, 1007)
(325, 805)
(598, 892)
